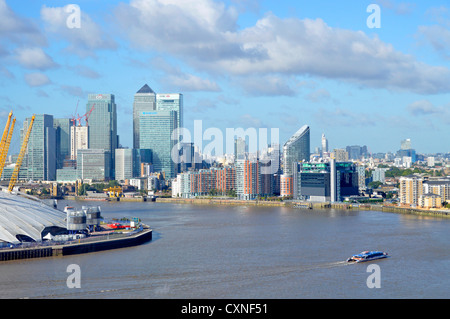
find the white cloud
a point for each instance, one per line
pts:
(205, 35)
(83, 41)
(35, 58)
(37, 79)
(190, 82)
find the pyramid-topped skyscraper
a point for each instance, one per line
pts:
(144, 101)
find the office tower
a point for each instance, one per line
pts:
(171, 102)
(248, 179)
(62, 127)
(78, 140)
(324, 144)
(102, 133)
(94, 164)
(155, 130)
(405, 144)
(296, 149)
(240, 148)
(187, 153)
(340, 155)
(124, 164)
(355, 152)
(411, 188)
(40, 157)
(329, 181)
(144, 101)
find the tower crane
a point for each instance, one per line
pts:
(23, 148)
(5, 149)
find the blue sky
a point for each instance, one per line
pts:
(242, 64)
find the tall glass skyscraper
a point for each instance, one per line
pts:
(144, 101)
(102, 123)
(40, 158)
(296, 149)
(155, 130)
(171, 102)
(63, 127)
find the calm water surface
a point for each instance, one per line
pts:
(246, 252)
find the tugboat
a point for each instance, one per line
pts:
(367, 256)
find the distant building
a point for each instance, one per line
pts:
(340, 155)
(296, 149)
(40, 156)
(156, 129)
(248, 179)
(171, 102)
(411, 188)
(78, 140)
(322, 182)
(124, 164)
(324, 144)
(144, 101)
(94, 164)
(102, 133)
(379, 175)
(63, 140)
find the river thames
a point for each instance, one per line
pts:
(214, 252)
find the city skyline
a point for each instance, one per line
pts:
(238, 66)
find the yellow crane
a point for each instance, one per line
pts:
(5, 149)
(115, 191)
(15, 173)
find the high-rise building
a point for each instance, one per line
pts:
(340, 155)
(155, 130)
(94, 164)
(411, 188)
(144, 101)
(324, 144)
(248, 179)
(405, 144)
(124, 164)
(78, 140)
(102, 133)
(63, 127)
(40, 157)
(171, 102)
(240, 148)
(296, 149)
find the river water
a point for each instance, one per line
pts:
(247, 252)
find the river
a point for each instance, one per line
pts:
(249, 252)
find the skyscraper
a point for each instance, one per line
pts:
(78, 140)
(248, 179)
(171, 102)
(102, 132)
(40, 157)
(296, 149)
(62, 126)
(124, 163)
(324, 144)
(144, 101)
(155, 130)
(94, 164)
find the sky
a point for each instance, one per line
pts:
(359, 76)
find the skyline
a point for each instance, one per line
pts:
(240, 64)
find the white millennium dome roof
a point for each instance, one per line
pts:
(23, 217)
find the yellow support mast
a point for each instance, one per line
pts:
(5, 150)
(15, 173)
(5, 133)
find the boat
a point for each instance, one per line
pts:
(367, 256)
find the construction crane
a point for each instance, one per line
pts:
(5, 149)
(115, 191)
(15, 173)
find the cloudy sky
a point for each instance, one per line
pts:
(262, 64)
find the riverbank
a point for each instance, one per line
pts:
(307, 205)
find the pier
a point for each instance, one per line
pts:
(88, 245)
